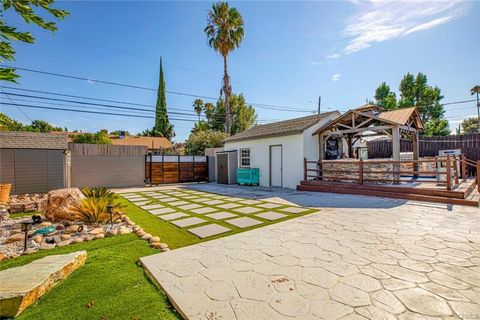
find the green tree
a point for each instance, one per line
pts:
(8, 124)
(8, 34)
(476, 90)
(436, 127)
(163, 127)
(224, 33)
(385, 98)
(200, 126)
(243, 115)
(198, 107)
(41, 126)
(471, 125)
(197, 142)
(100, 137)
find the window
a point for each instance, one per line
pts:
(244, 157)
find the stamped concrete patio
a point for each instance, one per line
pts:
(382, 259)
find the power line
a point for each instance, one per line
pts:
(24, 113)
(259, 105)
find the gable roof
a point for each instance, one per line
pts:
(282, 128)
(404, 116)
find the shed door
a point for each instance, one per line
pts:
(276, 166)
(222, 166)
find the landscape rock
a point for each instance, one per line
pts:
(64, 243)
(88, 238)
(96, 231)
(45, 224)
(47, 246)
(15, 238)
(2, 256)
(77, 240)
(156, 245)
(71, 229)
(155, 239)
(65, 237)
(146, 237)
(38, 238)
(60, 202)
(22, 286)
(99, 236)
(111, 232)
(124, 231)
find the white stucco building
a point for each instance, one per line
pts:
(278, 149)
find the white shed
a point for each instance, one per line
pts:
(278, 149)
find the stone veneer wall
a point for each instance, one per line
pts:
(353, 165)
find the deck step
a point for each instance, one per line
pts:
(457, 194)
(388, 194)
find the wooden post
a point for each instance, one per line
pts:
(463, 166)
(361, 171)
(151, 169)
(350, 147)
(396, 151)
(305, 169)
(449, 173)
(416, 153)
(455, 169)
(478, 175)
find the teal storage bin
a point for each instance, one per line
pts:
(248, 176)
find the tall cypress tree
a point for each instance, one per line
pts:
(163, 127)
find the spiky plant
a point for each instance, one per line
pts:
(92, 210)
(102, 193)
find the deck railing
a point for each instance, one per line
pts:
(455, 168)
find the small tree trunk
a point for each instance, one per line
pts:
(227, 91)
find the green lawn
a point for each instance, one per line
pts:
(111, 284)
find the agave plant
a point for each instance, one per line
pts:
(102, 193)
(92, 210)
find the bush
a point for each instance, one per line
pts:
(92, 210)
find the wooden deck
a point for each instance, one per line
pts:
(465, 193)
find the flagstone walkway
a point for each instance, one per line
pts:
(405, 262)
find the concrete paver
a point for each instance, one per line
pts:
(220, 215)
(188, 222)
(208, 230)
(355, 262)
(243, 222)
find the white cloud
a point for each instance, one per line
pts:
(378, 21)
(333, 56)
(336, 77)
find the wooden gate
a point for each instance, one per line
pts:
(175, 169)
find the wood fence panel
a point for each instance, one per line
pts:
(184, 169)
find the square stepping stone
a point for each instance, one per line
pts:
(178, 203)
(188, 222)
(138, 199)
(152, 206)
(243, 222)
(294, 209)
(204, 210)
(250, 202)
(141, 203)
(162, 196)
(190, 206)
(221, 215)
(208, 230)
(172, 216)
(214, 202)
(161, 211)
(269, 205)
(167, 200)
(247, 210)
(229, 205)
(270, 215)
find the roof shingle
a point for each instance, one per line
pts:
(282, 128)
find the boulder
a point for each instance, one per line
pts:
(22, 286)
(60, 202)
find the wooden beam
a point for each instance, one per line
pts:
(377, 128)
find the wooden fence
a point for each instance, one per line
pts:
(160, 169)
(429, 146)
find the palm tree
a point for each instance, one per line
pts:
(198, 107)
(224, 33)
(476, 90)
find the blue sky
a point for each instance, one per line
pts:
(292, 53)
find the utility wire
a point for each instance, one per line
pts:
(260, 105)
(24, 113)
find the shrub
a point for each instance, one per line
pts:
(92, 210)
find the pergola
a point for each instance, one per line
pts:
(370, 120)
